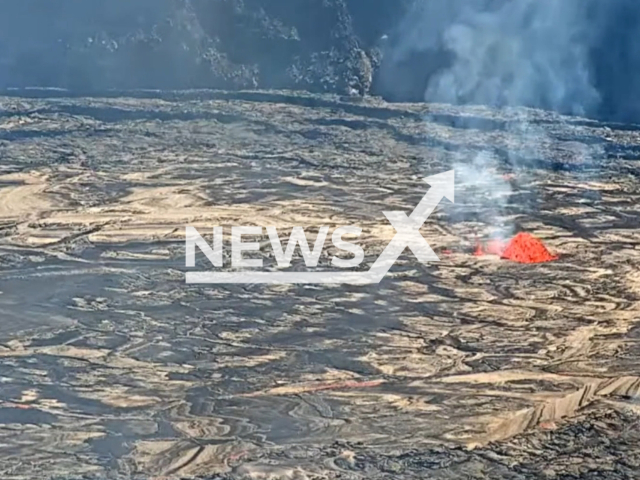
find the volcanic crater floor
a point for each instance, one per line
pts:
(472, 367)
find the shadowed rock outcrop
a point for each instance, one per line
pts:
(314, 45)
(573, 57)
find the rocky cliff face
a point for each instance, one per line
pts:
(575, 56)
(316, 45)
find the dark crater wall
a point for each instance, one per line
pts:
(399, 49)
(317, 45)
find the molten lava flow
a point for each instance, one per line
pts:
(525, 248)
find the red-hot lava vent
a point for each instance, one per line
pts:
(523, 248)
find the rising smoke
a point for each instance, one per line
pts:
(509, 53)
(524, 52)
(512, 52)
(572, 56)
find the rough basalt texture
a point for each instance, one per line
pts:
(318, 45)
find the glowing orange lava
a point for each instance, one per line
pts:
(523, 248)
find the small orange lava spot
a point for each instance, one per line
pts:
(548, 425)
(495, 247)
(492, 247)
(237, 455)
(479, 251)
(354, 384)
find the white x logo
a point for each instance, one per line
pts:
(408, 235)
(408, 227)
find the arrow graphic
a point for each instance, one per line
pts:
(408, 228)
(407, 236)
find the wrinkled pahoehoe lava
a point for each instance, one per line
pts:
(566, 56)
(112, 366)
